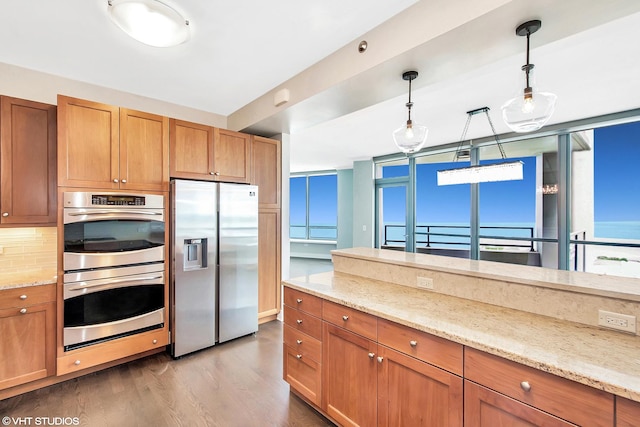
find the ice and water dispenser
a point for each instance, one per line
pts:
(195, 254)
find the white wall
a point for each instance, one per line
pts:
(363, 204)
(32, 85)
(345, 208)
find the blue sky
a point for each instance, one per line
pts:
(617, 173)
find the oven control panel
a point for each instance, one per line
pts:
(117, 200)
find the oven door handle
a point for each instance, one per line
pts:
(84, 285)
(113, 211)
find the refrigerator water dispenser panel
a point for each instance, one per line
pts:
(195, 254)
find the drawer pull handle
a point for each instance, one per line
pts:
(23, 297)
(155, 341)
(413, 343)
(299, 342)
(380, 359)
(77, 362)
(299, 321)
(124, 181)
(345, 317)
(371, 355)
(5, 214)
(524, 385)
(299, 300)
(115, 180)
(298, 356)
(23, 311)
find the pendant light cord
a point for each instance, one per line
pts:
(466, 128)
(409, 104)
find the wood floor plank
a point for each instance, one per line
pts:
(238, 383)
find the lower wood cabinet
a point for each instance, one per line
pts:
(627, 413)
(414, 393)
(27, 334)
(577, 403)
(269, 286)
(486, 408)
(98, 354)
(374, 372)
(350, 377)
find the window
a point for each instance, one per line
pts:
(314, 207)
(605, 227)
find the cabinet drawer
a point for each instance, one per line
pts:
(421, 345)
(303, 374)
(302, 343)
(98, 354)
(303, 322)
(26, 296)
(356, 321)
(303, 301)
(563, 398)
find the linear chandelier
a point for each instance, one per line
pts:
(505, 171)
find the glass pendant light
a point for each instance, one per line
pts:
(410, 137)
(532, 109)
(150, 22)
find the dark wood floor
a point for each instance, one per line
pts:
(238, 383)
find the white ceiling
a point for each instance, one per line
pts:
(587, 52)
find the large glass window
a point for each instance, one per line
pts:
(313, 212)
(607, 215)
(442, 212)
(507, 214)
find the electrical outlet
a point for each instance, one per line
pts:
(620, 322)
(425, 282)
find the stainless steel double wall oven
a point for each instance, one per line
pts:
(114, 266)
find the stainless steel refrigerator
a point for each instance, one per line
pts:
(214, 270)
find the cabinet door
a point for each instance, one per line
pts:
(438, 402)
(231, 156)
(88, 144)
(349, 371)
(269, 295)
(27, 344)
(191, 150)
(486, 408)
(28, 142)
(144, 151)
(266, 170)
(627, 412)
(303, 374)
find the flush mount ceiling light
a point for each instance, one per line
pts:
(505, 171)
(410, 137)
(149, 21)
(531, 110)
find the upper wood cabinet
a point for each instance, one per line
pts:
(208, 153)
(231, 156)
(266, 171)
(27, 162)
(191, 150)
(103, 146)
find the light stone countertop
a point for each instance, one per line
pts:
(606, 360)
(626, 288)
(24, 279)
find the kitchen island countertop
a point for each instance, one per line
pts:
(603, 359)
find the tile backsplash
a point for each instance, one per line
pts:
(28, 249)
